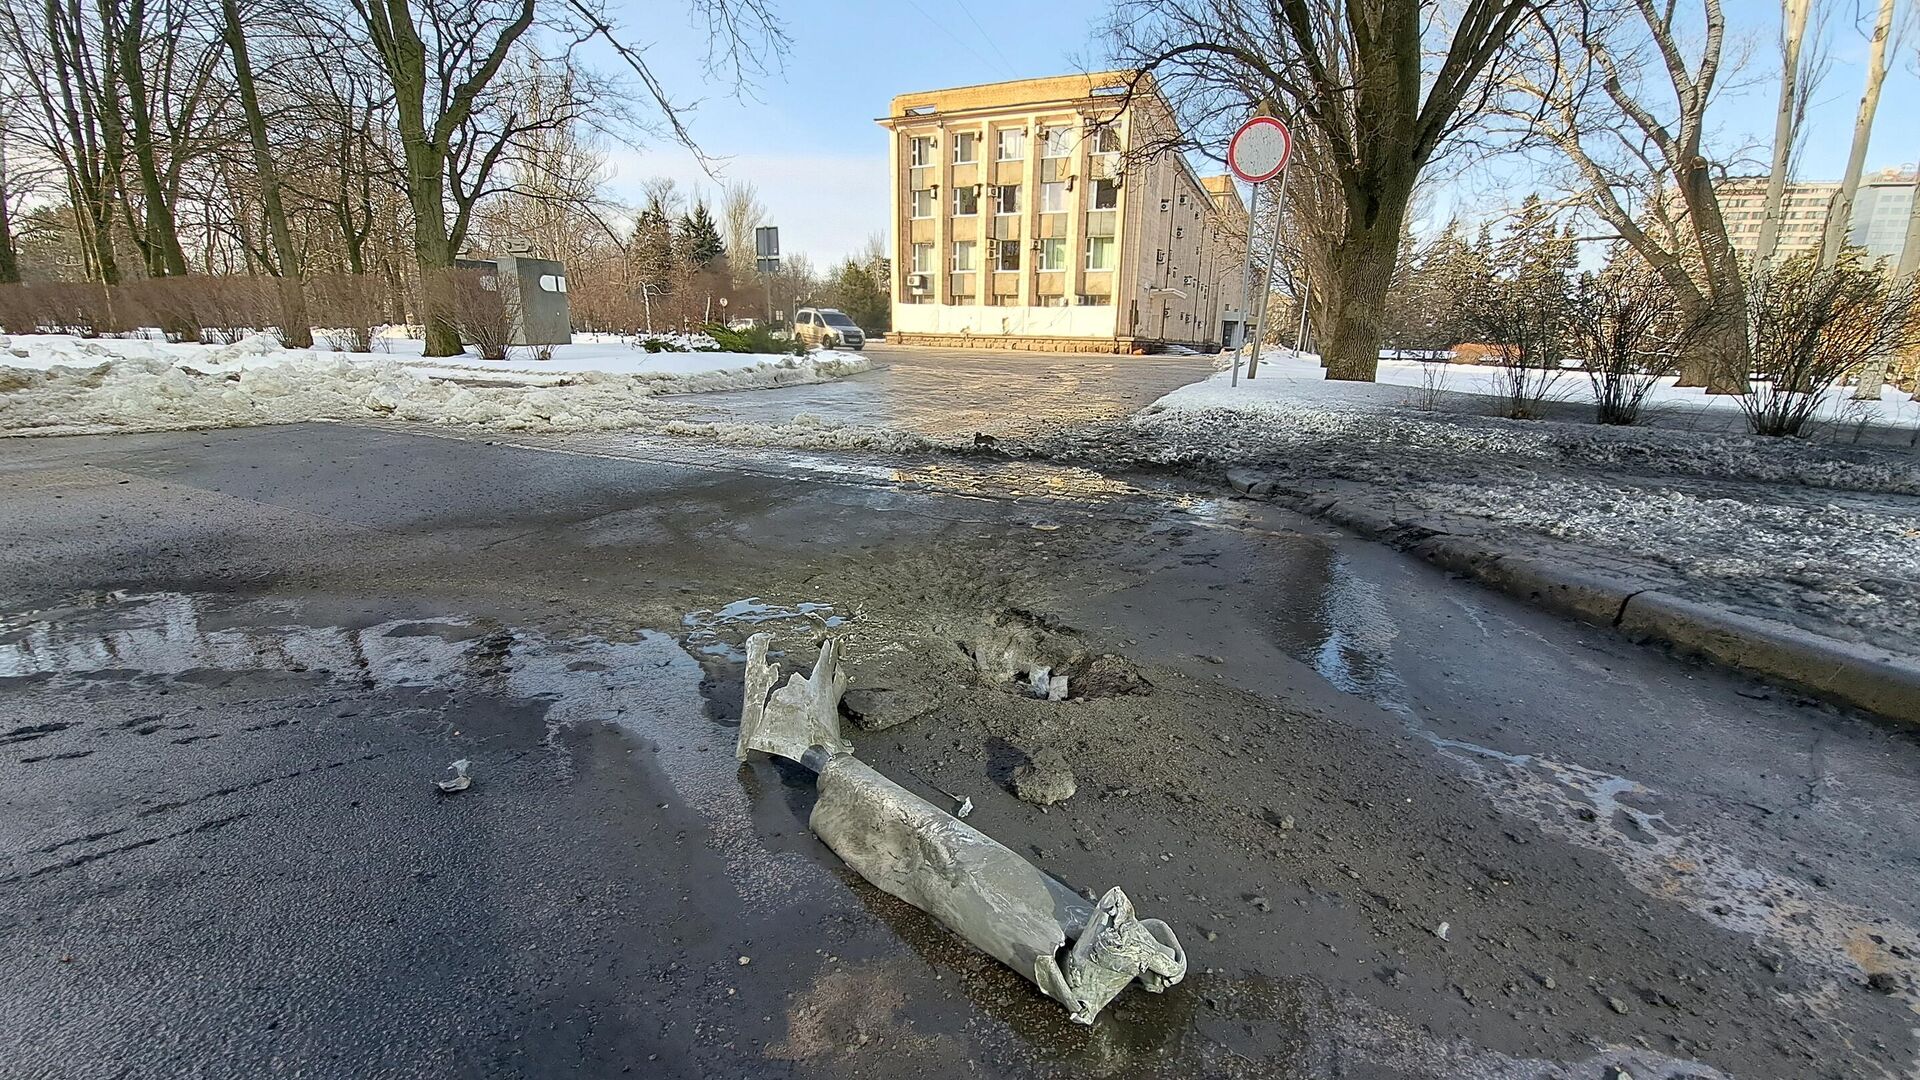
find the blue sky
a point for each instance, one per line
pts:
(806, 137)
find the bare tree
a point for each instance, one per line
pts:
(741, 212)
(1624, 96)
(1840, 214)
(1386, 86)
(295, 328)
(1800, 71)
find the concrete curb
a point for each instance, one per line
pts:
(1865, 678)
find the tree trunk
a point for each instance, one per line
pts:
(1360, 270)
(433, 253)
(296, 329)
(1839, 214)
(9, 261)
(1785, 126)
(165, 257)
(1722, 363)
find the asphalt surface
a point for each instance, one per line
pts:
(954, 392)
(233, 663)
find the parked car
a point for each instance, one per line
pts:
(828, 328)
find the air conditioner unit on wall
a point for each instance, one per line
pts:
(918, 282)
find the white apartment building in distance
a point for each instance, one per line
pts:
(1020, 220)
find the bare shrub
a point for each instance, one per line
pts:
(231, 306)
(1432, 391)
(1525, 328)
(348, 307)
(1811, 326)
(83, 309)
(1628, 328)
(18, 313)
(170, 303)
(480, 310)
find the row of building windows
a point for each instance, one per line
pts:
(1004, 199)
(1101, 254)
(1010, 144)
(1013, 300)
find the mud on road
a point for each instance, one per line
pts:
(1402, 828)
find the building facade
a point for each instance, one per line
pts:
(1803, 215)
(1878, 222)
(1021, 220)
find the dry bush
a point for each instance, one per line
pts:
(83, 309)
(18, 313)
(347, 308)
(1809, 327)
(168, 303)
(231, 306)
(1526, 328)
(1629, 329)
(481, 311)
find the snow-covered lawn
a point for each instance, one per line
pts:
(1286, 377)
(55, 384)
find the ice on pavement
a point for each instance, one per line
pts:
(56, 384)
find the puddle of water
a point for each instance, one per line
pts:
(648, 687)
(1353, 650)
(710, 631)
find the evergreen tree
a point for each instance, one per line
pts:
(652, 248)
(699, 242)
(857, 292)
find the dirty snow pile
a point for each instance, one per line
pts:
(54, 384)
(1822, 534)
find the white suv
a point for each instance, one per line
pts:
(828, 328)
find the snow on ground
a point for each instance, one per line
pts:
(54, 384)
(1818, 533)
(1281, 370)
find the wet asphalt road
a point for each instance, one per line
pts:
(954, 392)
(232, 663)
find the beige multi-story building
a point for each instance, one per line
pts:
(1878, 222)
(1022, 220)
(1803, 220)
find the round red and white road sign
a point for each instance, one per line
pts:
(1259, 149)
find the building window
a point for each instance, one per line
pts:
(920, 151)
(1097, 300)
(923, 202)
(1007, 255)
(966, 147)
(961, 297)
(1012, 144)
(1106, 195)
(966, 201)
(1053, 198)
(1106, 139)
(1006, 199)
(1053, 253)
(1053, 141)
(963, 252)
(1006, 300)
(923, 258)
(1054, 301)
(1100, 252)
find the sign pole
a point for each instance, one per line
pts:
(1273, 253)
(1258, 152)
(1246, 285)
